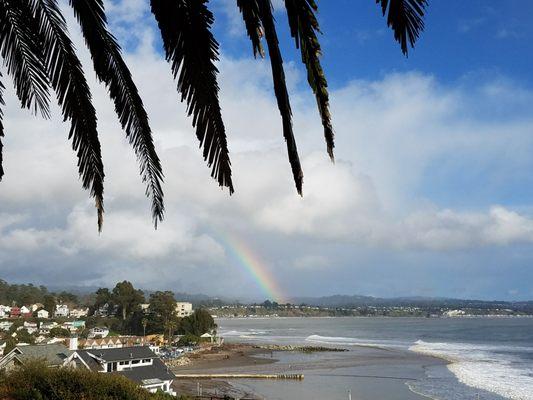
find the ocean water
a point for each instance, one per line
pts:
(486, 358)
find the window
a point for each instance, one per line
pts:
(136, 361)
(146, 360)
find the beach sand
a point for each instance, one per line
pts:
(373, 373)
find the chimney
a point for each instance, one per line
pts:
(73, 343)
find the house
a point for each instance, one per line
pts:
(144, 307)
(36, 306)
(3, 312)
(73, 326)
(79, 312)
(5, 325)
(97, 332)
(139, 364)
(183, 309)
(53, 354)
(106, 310)
(25, 311)
(62, 310)
(42, 313)
(31, 327)
(46, 326)
(14, 312)
(207, 337)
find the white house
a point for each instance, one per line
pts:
(79, 312)
(24, 310)
(31, 327)
(46, 326)
(3, 312)
(36, 306)
(5, 325)
(43, 314)
(183, 309)
(62, 310)
(139, 364)
(98, 333)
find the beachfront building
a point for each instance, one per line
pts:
(42, 313)
(54, 355)
(183, 309)
(139, 364)
(62, 310)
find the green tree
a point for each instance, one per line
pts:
(198, 323)
(39, 54)
(59, 332)
(127, 298)
(67, 297)
(49, 303)
(103, 296)
(162, 311)
(23, 336)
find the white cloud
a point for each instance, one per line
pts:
(389, 133)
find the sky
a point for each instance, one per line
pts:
(431, 193)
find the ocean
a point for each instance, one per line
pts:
(486, 358)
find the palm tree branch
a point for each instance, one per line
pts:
(280, 89)
(252, 21)
(191, 49)
(113, 71)
(406, 18)
(304, 27)
(74, 96)
(2, 87)
(20, 49)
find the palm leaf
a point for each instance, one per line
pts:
(113, 71)
(405, 17)
(280, 89)
(74, 96)
(304, 26)
(2, 87)
(20, 50)
(192, 51)
(252, 20)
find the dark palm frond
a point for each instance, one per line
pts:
(192, 50)
(405, 17)
(74, 96)
(252, 20)
(21, 52)
(280, 89)
(2, 87)
(113, 71)
(304, 27)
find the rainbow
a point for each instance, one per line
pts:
(250, 262)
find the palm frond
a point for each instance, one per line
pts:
(405, 17)
(73, 95)
(192, 51)
(21, 52)
(304, 27)
(252, 20)
(280, 89)
(113, 71)
(1, 129)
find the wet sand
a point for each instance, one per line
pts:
(372, 372)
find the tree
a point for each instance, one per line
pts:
(59, 332)
(162, 311)
(67, 297)
(127, 297)
(49, 303)
(39, 55)
(103, 296)
(198, 323)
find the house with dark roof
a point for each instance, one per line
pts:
(139, 364)
(54, 355)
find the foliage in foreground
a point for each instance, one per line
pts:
(37, 382)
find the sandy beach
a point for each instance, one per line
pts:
(377, 372)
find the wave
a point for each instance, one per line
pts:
(495, 368)
(350, 341)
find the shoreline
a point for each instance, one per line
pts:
(369, 367)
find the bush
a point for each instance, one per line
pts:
(35, 381)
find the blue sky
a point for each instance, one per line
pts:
(431, 194)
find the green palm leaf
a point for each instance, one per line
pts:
(192, 51)
(74, 96)
(21, 52)
(113, 71)
(280, 89)
(304, 26)
(405, 17)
